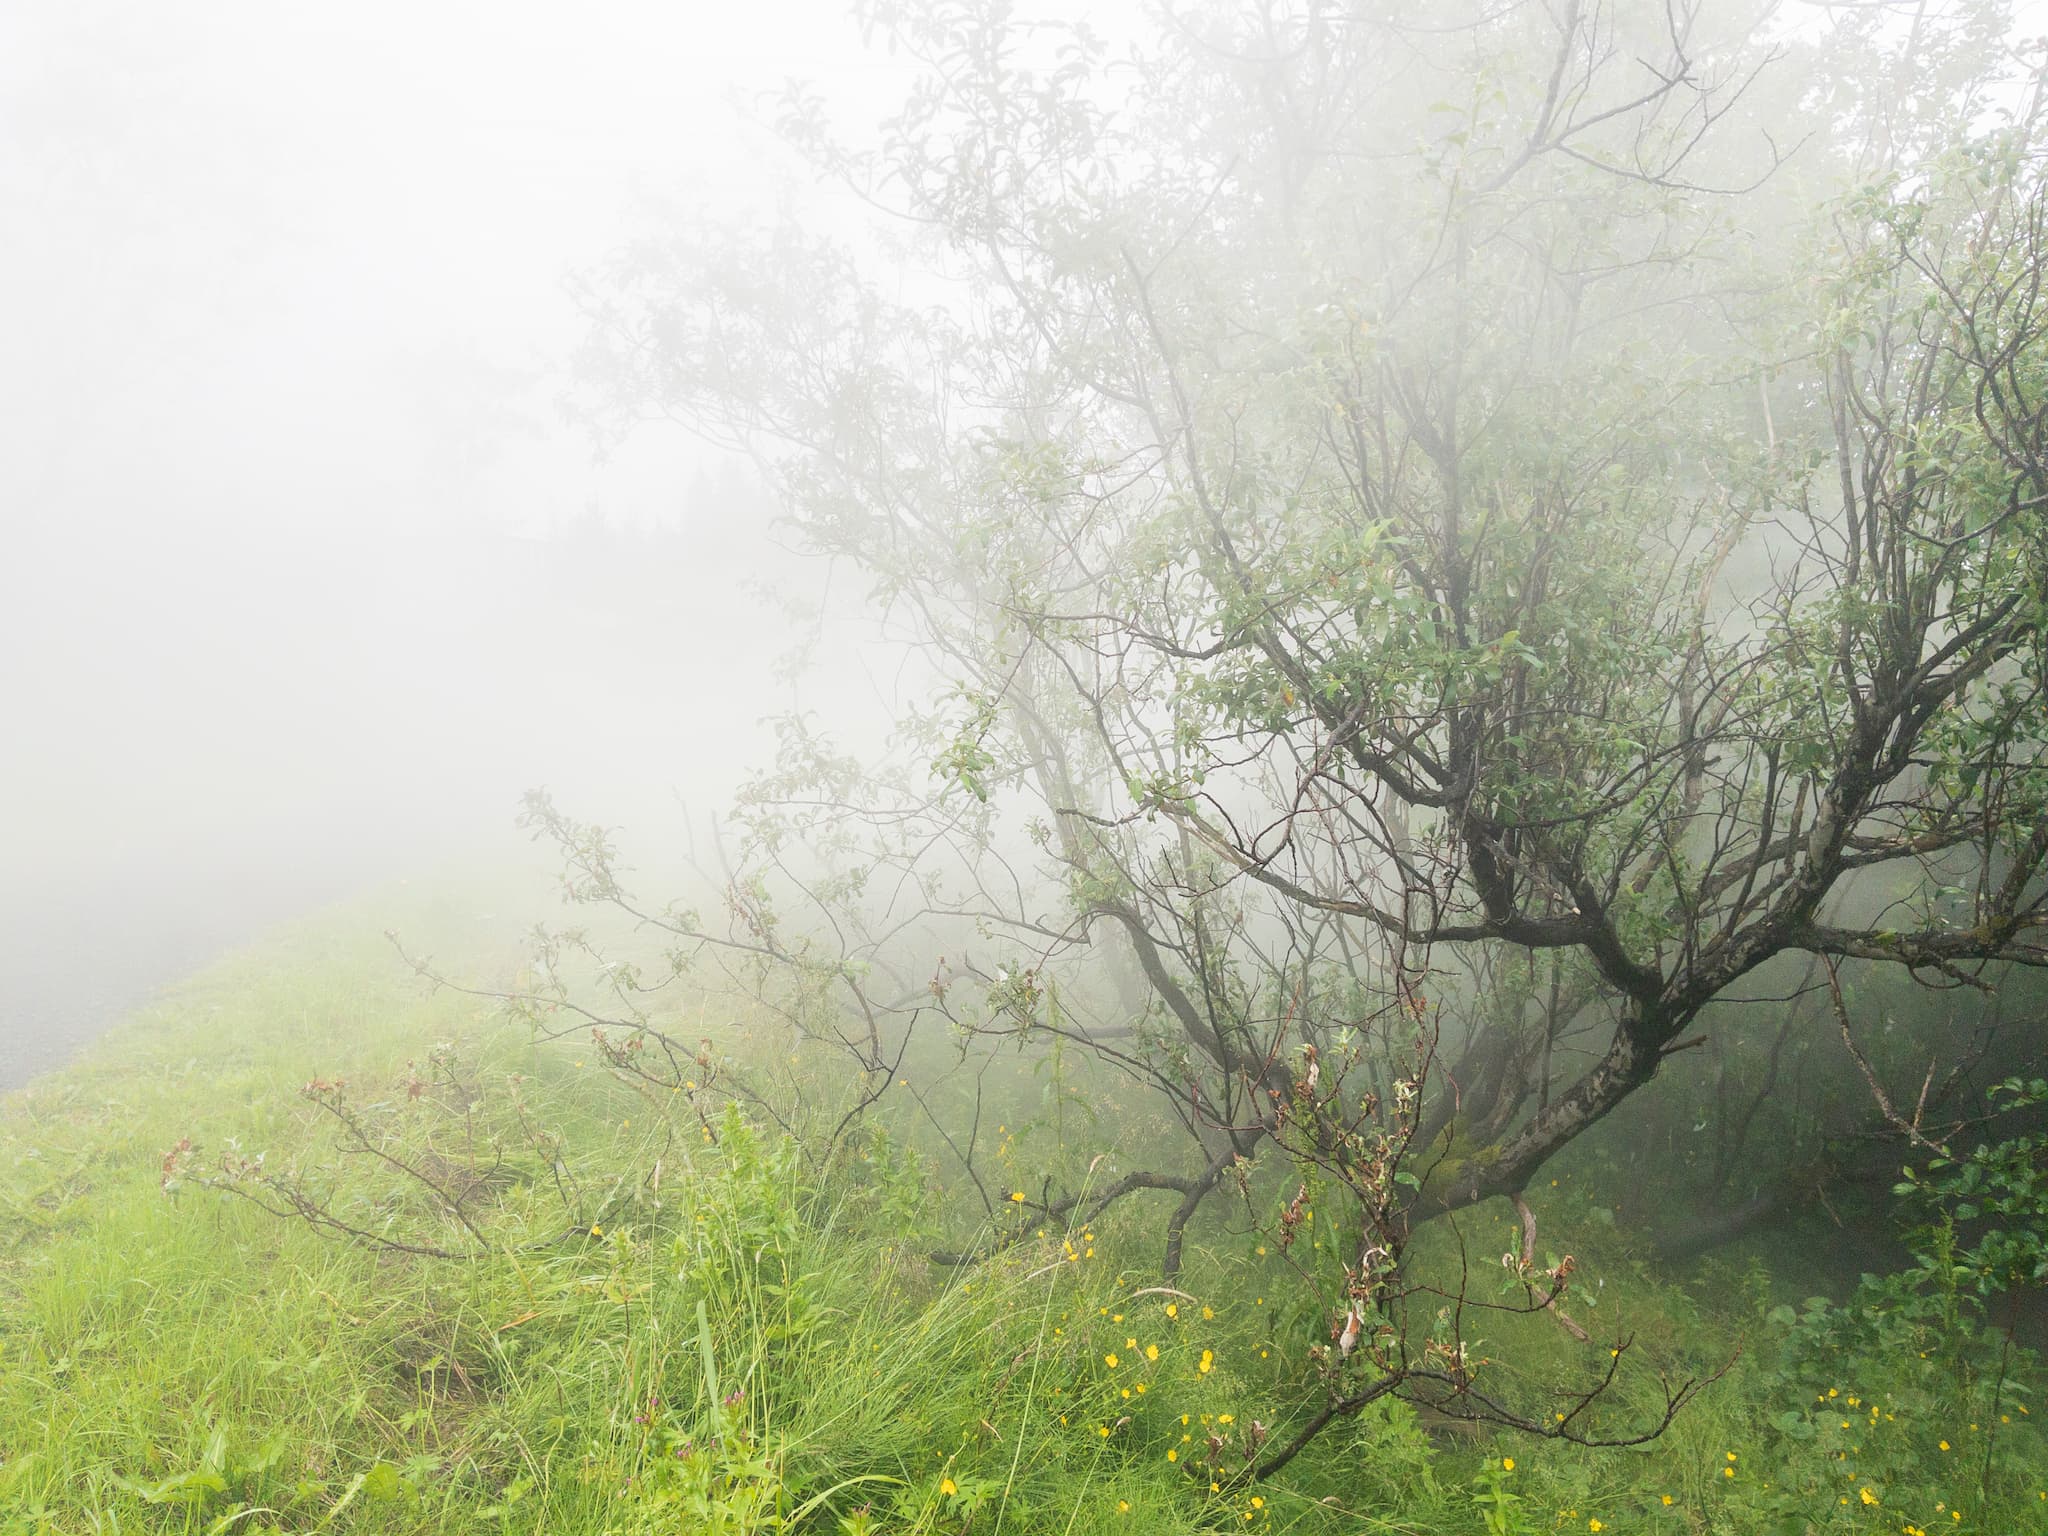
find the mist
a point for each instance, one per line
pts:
(308, 574)
(1326, 716)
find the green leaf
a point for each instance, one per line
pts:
(383, 1481)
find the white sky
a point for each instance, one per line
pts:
(281, 314)
(242, 231)
(281, 321)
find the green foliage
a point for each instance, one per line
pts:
(1342, 597)
(756, 1343)
(966, 760)
(2002, 1184)
(1501, 1510)
(1911, 1391)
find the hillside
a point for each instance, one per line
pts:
(664, 1317)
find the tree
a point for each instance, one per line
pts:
(1442, 550)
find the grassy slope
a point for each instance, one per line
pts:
(732, 1346)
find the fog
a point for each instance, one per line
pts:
(1362, 687)
(306, 573)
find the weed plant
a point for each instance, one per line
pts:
(736, 1339)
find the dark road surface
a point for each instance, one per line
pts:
(75, 962)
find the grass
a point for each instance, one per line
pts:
(731, 1340)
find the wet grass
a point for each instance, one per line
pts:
(739, 1342)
